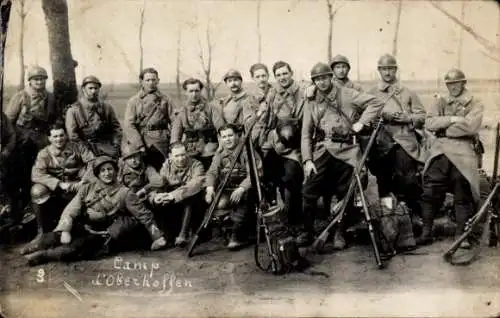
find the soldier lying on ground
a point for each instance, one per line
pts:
(57, 176)
(184, 178)
(96, 220)
(194, 125)
(94, 122)
(453, 156)
(148, 119)
(235, 196)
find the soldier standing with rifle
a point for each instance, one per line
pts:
(397, 160)
(94, 122)
(148, 119)
(329, 147)
(453, 163)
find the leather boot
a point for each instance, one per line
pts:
(182, 239)
(234, 242)
(34, 245)
(159, 242)
(427, 222)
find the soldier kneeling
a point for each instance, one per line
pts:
(235, 194)
(96, 219)
(184, 178)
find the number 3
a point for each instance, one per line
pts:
(40, 276)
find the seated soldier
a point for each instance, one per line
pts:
(57, 176)
(235, 194)
(135, 174)
(184, 178)
(96, 219)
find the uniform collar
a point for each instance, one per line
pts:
(463, 98)
(238, 96)
(343, 82)
(56, 152)
(200, 106)
(384, 87)
(90, 105)
(34, 93)
(290, 90)
(143, 93)
(321, 97)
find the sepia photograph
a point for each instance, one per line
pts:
(249, 158)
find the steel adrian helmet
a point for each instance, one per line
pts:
(130, 150)
(37, 71)
(102, 160)
(387, 60)
(320, 69)
(454, 75)
(39, 193)
(339, 59)
(232, 73)
(91, 79)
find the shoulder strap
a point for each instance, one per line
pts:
(149, 114)
(338, 108)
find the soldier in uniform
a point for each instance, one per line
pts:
(7, 179)
(94, 122)
(282, 163)
(31, 111)
(148, 119)
(397, 161)
(58, 173)
(452, 165)
(97, 219)
(194, 124)
(238, 108)
(341, 66)
(329, 148)
(184, 180)
(235, 195)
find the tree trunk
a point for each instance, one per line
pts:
(259, 32)
(61, 60)
(461, 37)
(178, 62)
(5, 7)
(331, 16)
(22, 16)
(396, 30)
(141, 27)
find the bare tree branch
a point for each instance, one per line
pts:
(461, 36)
(259, 32)
(331, 18)
(141, 28)
(396, 30)
(490, 47)
(178, 61)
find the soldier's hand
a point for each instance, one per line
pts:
(237, 195)
(357, 127)
(209, 196)
(158, 199)
(388, 117)
(402, 118)
(454, 119)
(65, 237)
(309, 168)
(142, 193)
(262, 108)
(310, 91)
(65, 186)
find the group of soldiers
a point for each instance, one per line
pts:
(94, 185)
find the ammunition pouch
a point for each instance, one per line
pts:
(346, 139)
(155, 127)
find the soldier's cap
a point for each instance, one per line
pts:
(129, 151)
(232, 73)
(320, 69)
(454, 75)
(37, 71)
(91, 79)
(339, 59)
(103, 160)
(387, 60)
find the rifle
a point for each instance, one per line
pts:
(222, 185)
(485, 214)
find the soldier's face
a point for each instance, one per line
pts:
(107, 173)
(284, 76)
(388, 73)
(38, 82)
(229, 139)
(234, 84)
(455, 89)
(323, 83)
(150, 82)
(179, 156)
(91, 91)
(134, 161)
(58, 138)
(261, 77)
(193, 93)
(340, 70)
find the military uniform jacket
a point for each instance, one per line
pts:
(286, 105)
(194, 125)
(96, 125)
(53, 166)
(7, 137)
(101, 201)
(145, 177)
(239, 109)
(33, 112)
(403, 101)
(182, 182)
(325, 114)
(221, 163)
(348, 84)
(457, 145)
(148, 120)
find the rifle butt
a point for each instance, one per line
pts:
(192, 245)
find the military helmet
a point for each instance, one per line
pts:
(102, 160)
(454, 75)
(339, 59)
(387, 60)
(91, 79)
(39, 193)
(320, 69)
(128, 150)
(37, 71)
(232, 73)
